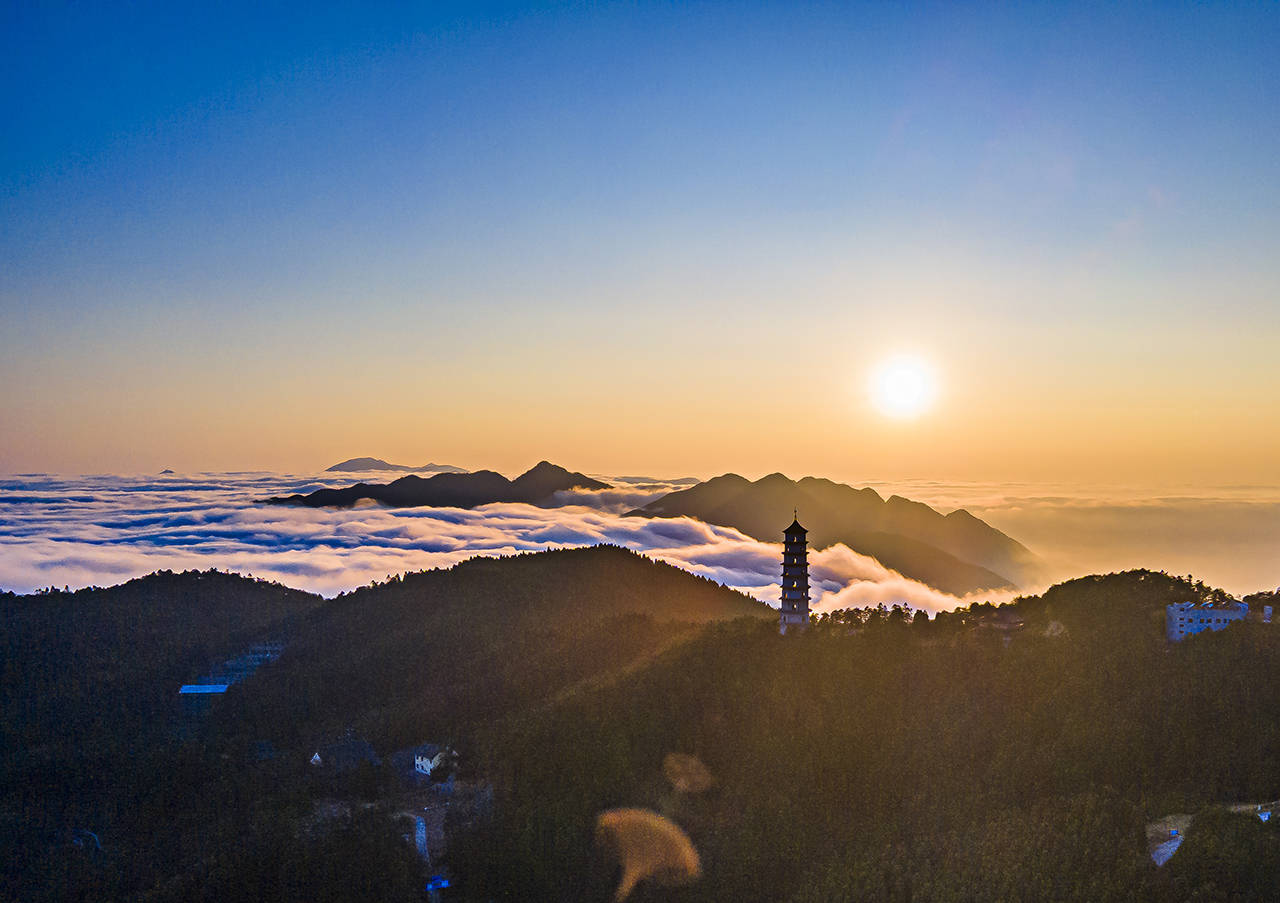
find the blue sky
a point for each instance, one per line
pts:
(625, 202)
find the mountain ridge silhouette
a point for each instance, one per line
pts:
(358, 464)
(451, 490)
(956, 553)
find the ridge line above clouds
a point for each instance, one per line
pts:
(104, 529)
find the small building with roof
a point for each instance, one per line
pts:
(422, 763)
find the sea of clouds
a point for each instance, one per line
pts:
(102, 530)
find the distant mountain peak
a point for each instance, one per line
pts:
(545, 478)
(357, 464)
(544, 467)
(773, 478)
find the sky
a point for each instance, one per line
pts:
(672, 239)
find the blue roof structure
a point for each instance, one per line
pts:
(1160, 855)
(233, 670)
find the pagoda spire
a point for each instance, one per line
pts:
(794, 610)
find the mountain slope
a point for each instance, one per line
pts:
(957, 553)
(89, 685)
(925, 759)
(455, 490)
(930, 761)
(379, 464)
(439, 652)
(86, 670)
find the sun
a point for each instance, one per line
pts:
(904, 386)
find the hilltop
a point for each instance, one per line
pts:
(81, 665)
(455, 490)
(138, 641)
(443, 651)
(379, 464)
(957, 553)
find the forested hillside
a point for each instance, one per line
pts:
(88, 695)
(83, 670)
(907, 760)
(91, 709)
(1011, 753)
(436, 653)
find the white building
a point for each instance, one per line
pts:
(428, 757)
(1182, 619)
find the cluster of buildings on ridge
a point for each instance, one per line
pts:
(1182, 619)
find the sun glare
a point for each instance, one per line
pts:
(903, 386)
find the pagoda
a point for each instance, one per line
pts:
(794, 614)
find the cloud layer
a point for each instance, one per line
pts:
(105, 529)
(101, 530)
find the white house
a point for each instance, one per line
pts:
(1182, 619)
(427, 758)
